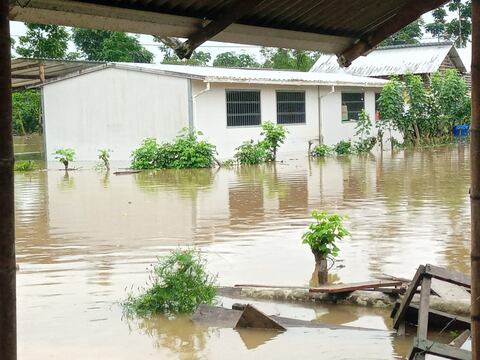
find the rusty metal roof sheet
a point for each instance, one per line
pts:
(26, 72)
(396, 60)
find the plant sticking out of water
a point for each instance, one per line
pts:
(365, 142)
(104, 157)
(65, 156)
(25, 165)
(321, 150)
(178, 283)
(273, 136)
(343, 147)
(322, 236)
(251, 153)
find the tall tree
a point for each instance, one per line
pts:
(44, 41)
(230, 59)
(289, 59)
(102, 45)
(452, 22)
(199, 58)
(410, 34)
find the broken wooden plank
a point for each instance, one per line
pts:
(423, 311)
(460, 339)
(449, 291)
(412, 288)
(454, 277)
(436, 319)
(341, 288)
(425, 346)
(254, 318)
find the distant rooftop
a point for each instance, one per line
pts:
(423, 58)
(242, 75)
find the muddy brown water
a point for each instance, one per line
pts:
(85, 238)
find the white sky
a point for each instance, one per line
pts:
(215, 48)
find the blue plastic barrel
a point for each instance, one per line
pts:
(461, 130)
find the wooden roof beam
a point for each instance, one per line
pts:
(226, 18)
(410, 12)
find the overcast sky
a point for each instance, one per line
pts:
(215, 48)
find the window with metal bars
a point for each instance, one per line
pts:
(290, 107)
(243, 107)
(352, 106)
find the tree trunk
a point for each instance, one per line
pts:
(321, 268)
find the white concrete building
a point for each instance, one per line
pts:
(116, 106)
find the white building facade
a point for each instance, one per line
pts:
(116, 106)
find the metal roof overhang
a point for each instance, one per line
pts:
(348, 28)
(31, 72)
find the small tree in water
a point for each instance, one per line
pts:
(274, 136)
(65, 156)
(179, 283)
(321, 237)
(104, 157)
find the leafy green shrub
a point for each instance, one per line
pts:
(228, 163)
(274, 135)
(321, 150)
(186, 152)
(179, 283)
(65, 156)
(365, 145)
(104, 157)
(25, 165)
(251, 153)
(344, 147)
(324, 232)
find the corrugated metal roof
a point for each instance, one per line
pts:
(327, 25)
(250, 76)
(26, 72)
(395, 60)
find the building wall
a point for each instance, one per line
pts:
(113, 109)
(210, 116)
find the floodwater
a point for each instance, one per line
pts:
(86, 238)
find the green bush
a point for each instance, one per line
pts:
(65, 156)
(344, 147)
(25, 165)
(251, 153)
(186, 152)
(274, 135)
(321, 150)
(324, 232)
(365, 145)
(179, 283)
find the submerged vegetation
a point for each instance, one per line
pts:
(179, 283)
(25, 165)
(252, 153)
(65, 156)
(321, 150)
(186, 152)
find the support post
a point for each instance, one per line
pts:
(8, 335)
(475, 181)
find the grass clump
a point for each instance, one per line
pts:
(179, 283)
(25, 165)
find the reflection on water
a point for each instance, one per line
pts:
(83, 237)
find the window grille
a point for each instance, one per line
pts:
(352, 106)
(243, 107)
(291, 107)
